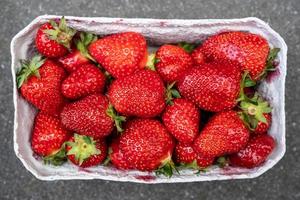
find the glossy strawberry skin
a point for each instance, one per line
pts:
(73, 61)
(47, 47)
(198, 56)
(255, 153)
(172, 62)
(94, 159)
(185, 154)
(141, 94)
(44, 92)
(146, 144)
(117, 157)
(212, 86)
(248, 50)
(87, 79)
(182, 120)
(48, 135)
(120, 54)
(261, 127)
(225, 133)
(88, 116)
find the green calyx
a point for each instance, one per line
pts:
(61, 33)
(253, 111)
(82, 45)
(167, 168)
(171, 93)
(246, 82)
(270, 63)
(118, 119)
(222, 162)
(58, 158)
(82, 148)
(29, 68)
(151, 62)
(188, 47)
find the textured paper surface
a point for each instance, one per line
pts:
(157, 32)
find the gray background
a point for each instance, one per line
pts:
(281, 182)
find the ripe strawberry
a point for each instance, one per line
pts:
(48, 138)
(213, 86)
(185, 155)
(85, 151)
(141, 94)
(88, 116)
(147, 146)
(225, 133)
(248, 50)
(80, 55)
(54, 40)
(255, 153)
(256, 113)
(171, 62)
(182, 120)
(87, 79)
(198, 56)
(120, 54)
(39, 82)
(117, 157)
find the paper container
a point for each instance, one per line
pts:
(157, 32)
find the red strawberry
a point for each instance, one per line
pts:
(88, 116)
(85, 151)
(248, 50)
(256, 112)
(54, 40)
(117, 157)
(120, 54)
(48, 138)
(80, 55)
(255, 153)
(225, 133)
(182, 120)
(39, 82)
(141, 94)
(147, 146)
(185, 154)
(198, 56)
(213, 86)
(87, 79)
(171, 62)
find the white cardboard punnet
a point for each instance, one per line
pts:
(157, 31)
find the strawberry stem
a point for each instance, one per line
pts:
(222, 162)
(118, 119)
(188, 47)
(171, 93)
(82, 45)
(167, 168)
(270, 66)
(58, 158)
(151, 62)
(246, 82)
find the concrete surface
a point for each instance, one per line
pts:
(282, 182)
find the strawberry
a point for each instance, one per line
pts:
(147, 146)
(182, 120)
(80, 55)
(117, 157)
(120, 54)
(198, 56)
(141, 94)
(87, 79)
(54, 40)
(48, 138)
(186, 156)
(225, 133)
(255, 153)
(88, 116)
(85, 151)
(213, 86)
(256, 113)
(39, 82)
(248, 50)
(171, 62)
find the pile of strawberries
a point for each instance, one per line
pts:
(107, 101)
